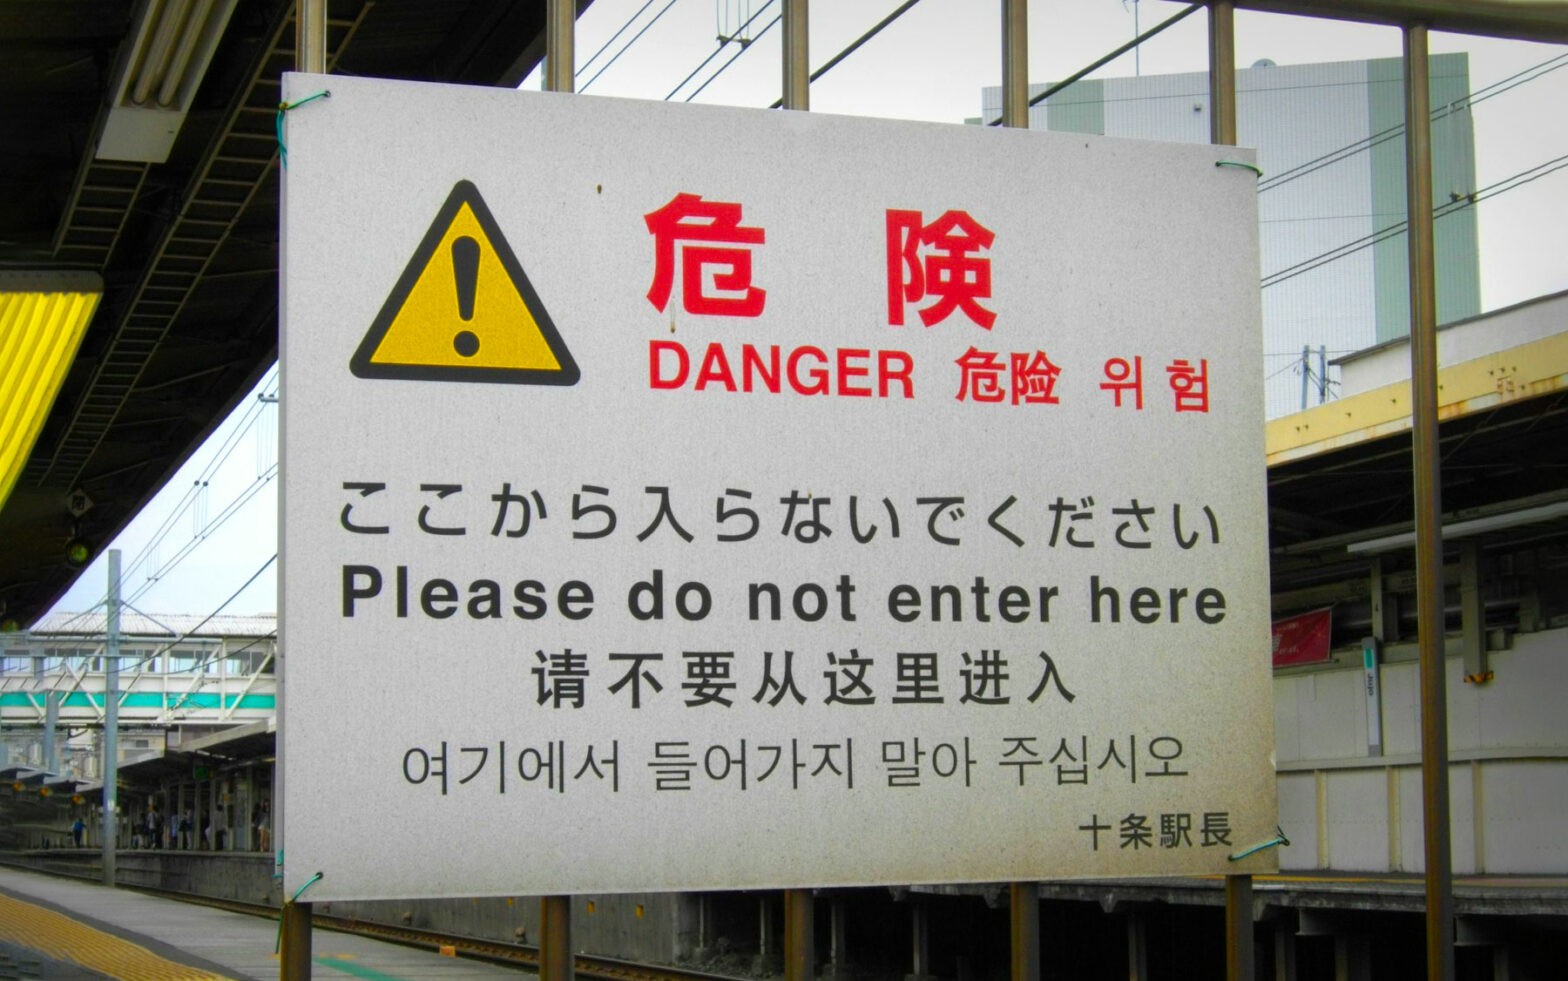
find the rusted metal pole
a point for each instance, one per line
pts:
(555, 938)
(1015, 64)
(1240, 964)
(1222, 72)
(1024, 914)
(797, 62)
(560, 62)
(1024, 907)
(294, 965)
(800, 935)
(310, 55)
(1428, 508)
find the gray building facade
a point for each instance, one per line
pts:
(1331, 202)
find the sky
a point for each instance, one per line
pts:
(931, 65)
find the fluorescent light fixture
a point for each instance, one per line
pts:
(158, 75)
(1460, 529)
(42, 319)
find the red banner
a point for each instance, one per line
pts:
(1303, 638)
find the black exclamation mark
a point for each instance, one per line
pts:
(465, 269)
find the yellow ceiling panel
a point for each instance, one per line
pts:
(42, 319)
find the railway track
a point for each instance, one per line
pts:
(524, 957)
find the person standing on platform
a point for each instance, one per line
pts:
(185, 831)
(77, 827)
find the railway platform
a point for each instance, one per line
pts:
(119, 933)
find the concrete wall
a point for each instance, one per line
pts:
(1348, 810)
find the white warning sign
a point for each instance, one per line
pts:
(883, 503)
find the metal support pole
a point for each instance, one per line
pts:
(295, 963)
(800, 935)
(1239, 960)
(555, 938)
(111, 717)
(1240, 964)
(1427, 467)
(1024, 912)
(51, 722)
(560, 57)
(797, 65)
(310, 36)
(1137, 947)
(919, 943)
(1015, 64)
(1472, 614)
(838, 942)
(1222, 72)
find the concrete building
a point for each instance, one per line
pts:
(1331, 201)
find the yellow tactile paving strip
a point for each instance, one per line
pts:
(64, 939)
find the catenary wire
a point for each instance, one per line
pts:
(855, 45)
(734, 57)
(606, 46)
(662, 11)
(1383, 136)
(204, 620)
(244, 497)
(723, 43)
(1398, 228)
(247, 421)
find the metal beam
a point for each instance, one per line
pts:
(1240, 964)
(1528, 20)
(560, 59)
(295, 962)
(1024, 914)
(800, 940)
(555, 939)
(111, 723)
(797, 64)
(1222, 72)
(310, 34)
(1428, 508)
(1015, 64)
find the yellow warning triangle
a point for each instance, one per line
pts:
(464, 310)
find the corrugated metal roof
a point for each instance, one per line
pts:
(162, 625)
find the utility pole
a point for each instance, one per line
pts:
(111, 717)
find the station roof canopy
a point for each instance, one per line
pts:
(139, 166)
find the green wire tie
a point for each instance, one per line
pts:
(1218, 163)
(1279, 833)
(277, 943)
(283, 107)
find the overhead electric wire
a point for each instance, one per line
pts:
(1398, 228)
(219, 609)
(1368, 142)
(723, 43)
(736, 55)
(855, 45)
(247, 421)
(244, 497)
(606, 46)
(662, 11)
(1108, 58)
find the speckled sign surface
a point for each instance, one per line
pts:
(695, 498)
